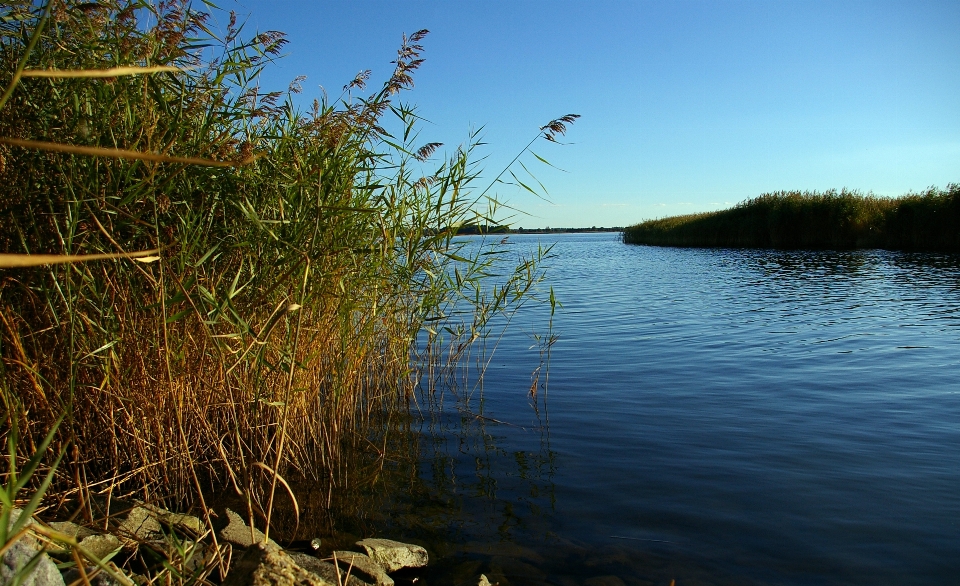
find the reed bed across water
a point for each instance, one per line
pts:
(810, 220)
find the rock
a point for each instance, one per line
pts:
(483, 581)
(70, 529)
(14, 517)
(393, 555)
(178, 520)
(238, 533)
(363, 567)
(328, 572)
(44, 573)
(263, 566)
(190, 522)
(101, 545)
(23, 552)
(139, 526)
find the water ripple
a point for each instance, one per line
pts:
(792, 417)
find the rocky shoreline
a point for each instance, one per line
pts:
(182, 547)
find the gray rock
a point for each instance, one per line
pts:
(262, 566)
(139, 526)
(326, 571)
(363, 567)
(70, 529)
(238, 533)
(24, 552)
(394, 555)
(15, 559)
(178, 520)
(26, 538)
(101, 545)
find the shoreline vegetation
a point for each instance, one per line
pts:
(211, 296)
(479, 229)
(928, 221)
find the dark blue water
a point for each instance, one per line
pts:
(721, 416)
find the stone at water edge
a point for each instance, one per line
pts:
(363, 567)
(101, 545)
(45, 573)
(139, 526)
(238, 533)
(394, 555)
(262, 566)
(70, 529)
(176, 519)
(326, 571)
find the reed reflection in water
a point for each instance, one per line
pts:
(713, 416)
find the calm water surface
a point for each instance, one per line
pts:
(716, 416)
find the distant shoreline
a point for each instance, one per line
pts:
(488, 230)
(564, 230)
(833, 220)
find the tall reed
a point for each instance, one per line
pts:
(846, 219)
(288, 261)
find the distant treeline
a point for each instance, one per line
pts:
(522, 230)
(833, 219)
(499, 229)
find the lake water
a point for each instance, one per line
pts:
(715, 417)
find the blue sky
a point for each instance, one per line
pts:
(686, 105)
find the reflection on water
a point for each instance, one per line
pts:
(715, 417)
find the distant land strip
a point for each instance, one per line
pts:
(929, 220)
(468, 229)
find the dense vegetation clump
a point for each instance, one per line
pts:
(272, 275)
(832, 219)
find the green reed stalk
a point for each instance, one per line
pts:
(289, 260)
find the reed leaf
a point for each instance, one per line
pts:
(118, 153)
(10, 261)
(95, 73)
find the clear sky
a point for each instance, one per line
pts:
(686, 105)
